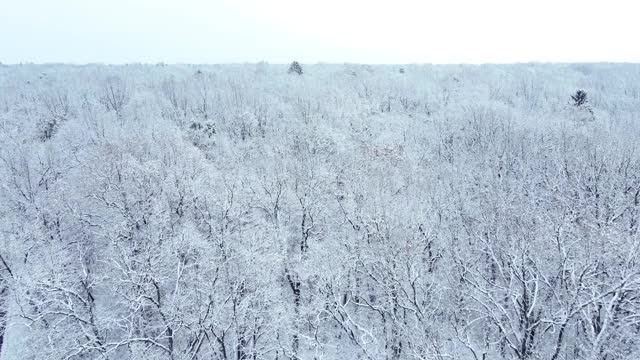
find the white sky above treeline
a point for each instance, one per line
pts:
(335, 31)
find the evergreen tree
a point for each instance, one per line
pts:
(295, 68)
(579, 98)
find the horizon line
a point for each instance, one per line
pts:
(162, 63)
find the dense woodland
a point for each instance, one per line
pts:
(238, 212)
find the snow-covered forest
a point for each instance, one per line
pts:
(238, 212)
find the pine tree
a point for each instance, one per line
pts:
(579, 98)
(295, 68)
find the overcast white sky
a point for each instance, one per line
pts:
(337, 31)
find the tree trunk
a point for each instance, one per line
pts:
(3, 313)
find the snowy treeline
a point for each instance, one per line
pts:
(352, 212)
